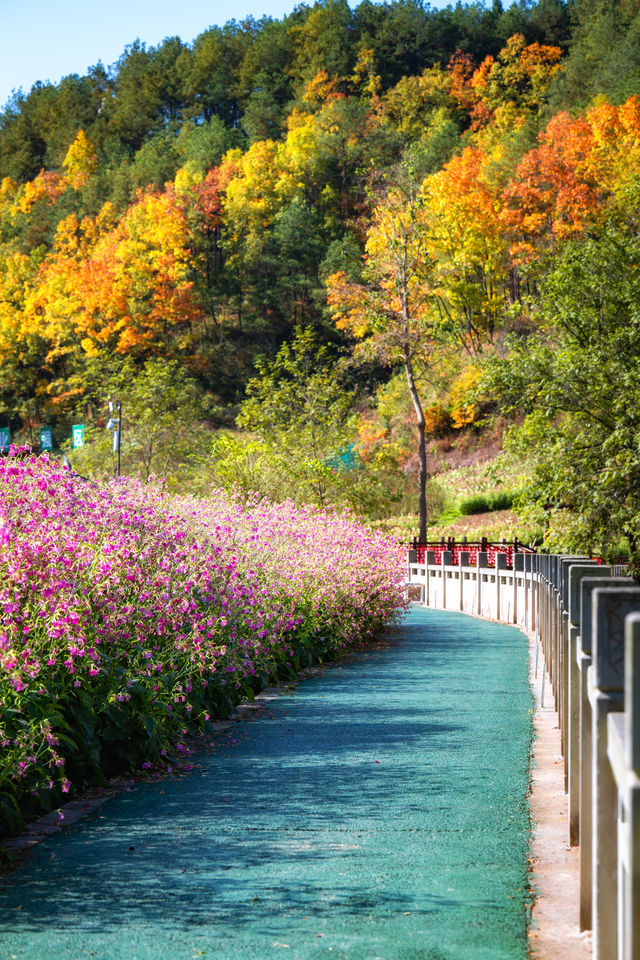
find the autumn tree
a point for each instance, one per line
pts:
(138, 282)
(514, 85)
(81, 160)
(22, 353)
(389, 311)
(414, 102)
(104, 285)
(583, 170)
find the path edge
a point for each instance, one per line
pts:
(554, 930)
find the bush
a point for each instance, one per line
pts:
(502, 501)
(437, 420)
(480, 503)
(485, 503)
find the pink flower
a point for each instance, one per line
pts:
(104, 575)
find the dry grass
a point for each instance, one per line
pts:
(497, 525)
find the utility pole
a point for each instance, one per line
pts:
(115, 425)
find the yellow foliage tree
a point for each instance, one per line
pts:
(391, 310)
(514, 85)
(463, 409)
(81, 161)
(414, 101)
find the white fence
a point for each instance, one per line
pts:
(586, 617)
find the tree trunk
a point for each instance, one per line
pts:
(422, 448)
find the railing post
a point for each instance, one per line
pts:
(447, 559)
(518, 567)
(464, 567)
(562, 702)
(585, 644)
(631, 840)
(527, 591)
(501, 565)
(576, 574)
(537, 567)
(555, 630)
(481, 562)
(430, 559)
(543, 618)
(606, 693)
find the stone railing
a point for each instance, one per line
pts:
(585, 617)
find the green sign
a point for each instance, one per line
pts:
(78, 435)
(46, 438)
(4, 438)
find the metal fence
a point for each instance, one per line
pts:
(585, 617)
(471, 548)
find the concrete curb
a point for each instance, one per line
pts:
(554, 933)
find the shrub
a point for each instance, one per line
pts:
(480, 503)
(502, 500)
(437, 420)
(485, 503)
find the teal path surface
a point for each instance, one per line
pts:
(377, 811)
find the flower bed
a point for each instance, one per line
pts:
(130, 619)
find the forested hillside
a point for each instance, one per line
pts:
(311, 255)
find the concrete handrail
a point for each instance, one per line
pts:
(586, 618)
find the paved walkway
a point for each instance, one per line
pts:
(378, 811)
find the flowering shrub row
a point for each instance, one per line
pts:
(130, 619)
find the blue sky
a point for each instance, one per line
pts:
(47, 39)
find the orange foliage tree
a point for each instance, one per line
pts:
(125, 286)
(582, 170)
(467, 243)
